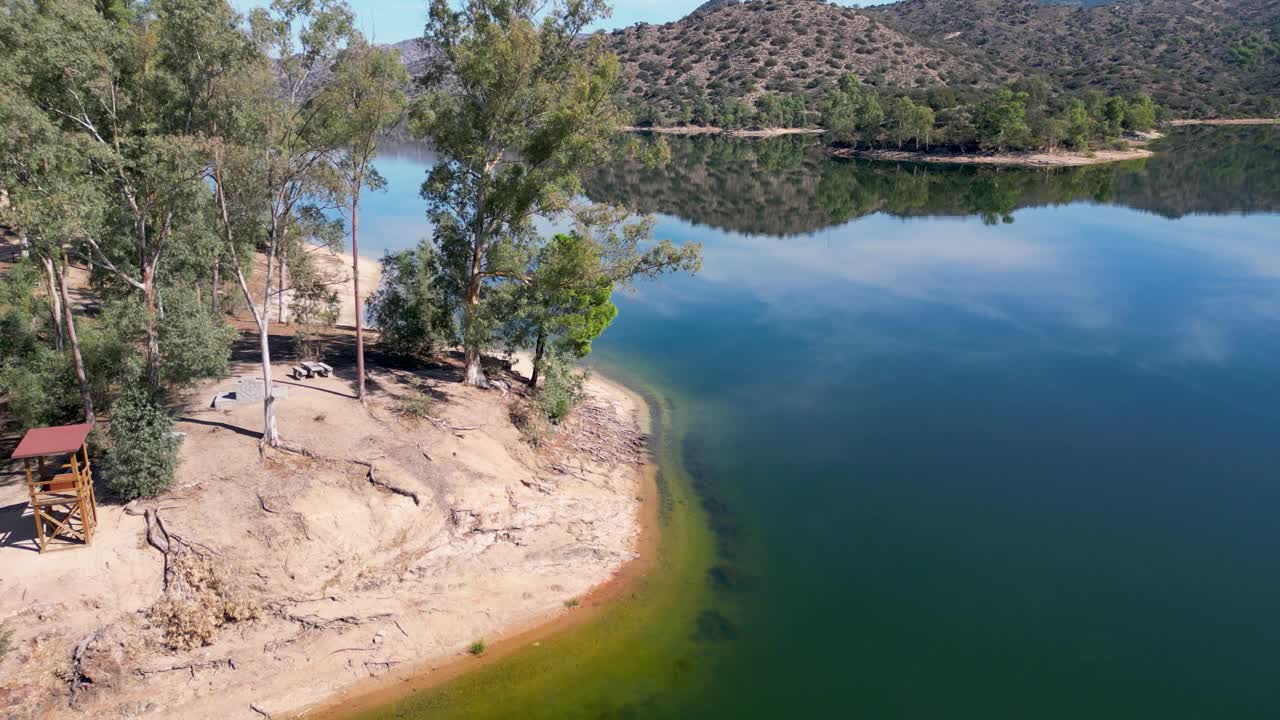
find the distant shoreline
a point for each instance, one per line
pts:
(1021, 159)
(1224, 121)
(712, 130)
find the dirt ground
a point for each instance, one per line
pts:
(289, 577)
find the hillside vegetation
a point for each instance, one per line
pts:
(1197, 57)
(740, 51)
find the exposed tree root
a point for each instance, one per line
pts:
(191, 667)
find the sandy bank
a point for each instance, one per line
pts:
(333, 269)
(1225, 121)
(711, 130)
(484, 537)
(1029, 160)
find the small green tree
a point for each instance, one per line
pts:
(562, 389)
(1140, 115)
(414, 316)
(853, 112)
(1001, 121)
(194, 344)
(144, 449)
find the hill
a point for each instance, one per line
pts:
(740, 51)
(1198, 57)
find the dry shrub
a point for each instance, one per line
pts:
(532, 422)
(203, 595)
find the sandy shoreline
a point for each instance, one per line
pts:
(436, 672)
(1028, 160)
(711, 130)
(1224, 121)
(361, 594)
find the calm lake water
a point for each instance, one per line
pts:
(969, 444)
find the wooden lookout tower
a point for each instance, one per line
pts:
(60, 482)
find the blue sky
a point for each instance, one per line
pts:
(388, 21)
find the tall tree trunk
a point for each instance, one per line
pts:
(474, 374)
(55, 301)
(280, 287)
(153, 336)
(270, 433)
(215, 305)
(538, 349)
(86, 397)
(355, 282)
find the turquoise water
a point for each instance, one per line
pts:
(971, 444)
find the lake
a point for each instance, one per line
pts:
(937, 443)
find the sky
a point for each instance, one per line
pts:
(389, 21)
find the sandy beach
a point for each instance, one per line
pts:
(1032, 160)
(371, 563)
(711, 130)
(1224, 121)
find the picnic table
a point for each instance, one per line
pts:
(309, 369)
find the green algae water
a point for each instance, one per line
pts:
(938, 443)
(638, 651)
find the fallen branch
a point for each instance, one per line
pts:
(412, 495)
(191, 667)
(78, 678)
(384, 664)
(444, 425)
(260, 711)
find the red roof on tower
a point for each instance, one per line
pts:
(41, 442)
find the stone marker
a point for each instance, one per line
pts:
(249, 389)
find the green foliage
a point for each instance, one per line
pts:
(144, 450)
(477, 648)
(413, 314)
(853, 112)
(194, 344)
(1140, 114)
(6, 641)
(313, 310)
(516, 107)
(561, 389)
(1001, 120)
(40, 387)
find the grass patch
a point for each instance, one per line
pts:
(6, 638)
(572, 603)
(477, 648)
(416, 405)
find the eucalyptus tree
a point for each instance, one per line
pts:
(517, 102)
(367, 94)
(91, 76)
(53, 199)
(275, 145)
(567, 298)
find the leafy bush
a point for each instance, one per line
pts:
(40, 387)
(412, 314)
(193, 343)
(144, 450)
(561, 387)
(313, 310)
